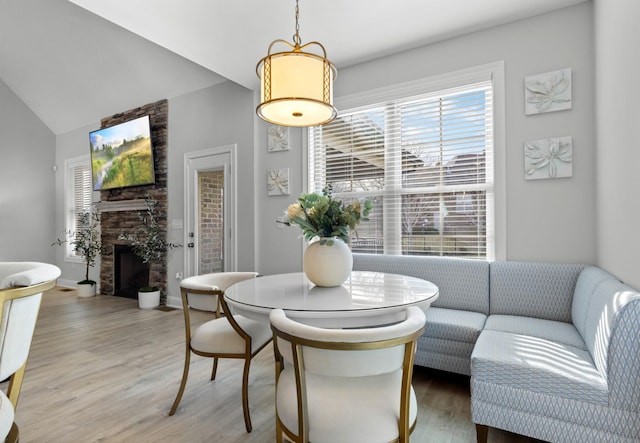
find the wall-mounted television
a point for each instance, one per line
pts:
(122, 155)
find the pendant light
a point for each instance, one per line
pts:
(296, 86)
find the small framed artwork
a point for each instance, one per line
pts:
(278, 181)
(547, 92)
(277, 138)
(548, 158)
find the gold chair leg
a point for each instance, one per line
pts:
(15, 384)
(14, 434)
(278, 431)
(183, 383)
(245, 394)
(215, 368)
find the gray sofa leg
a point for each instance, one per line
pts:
(482, 432)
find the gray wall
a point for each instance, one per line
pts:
(27, 149)
(618, 118)
(216, 116)
(546, 219)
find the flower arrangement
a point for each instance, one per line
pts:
(86, 241)
(325, 217)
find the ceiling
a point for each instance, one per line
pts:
(74, 62)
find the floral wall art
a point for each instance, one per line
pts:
(277, 138)
(548, 92)
(548, 158)
(278, 181)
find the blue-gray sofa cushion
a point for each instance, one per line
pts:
(538, 365)
(561, 332)
(452, 324)
(541, 290)
(463, 283)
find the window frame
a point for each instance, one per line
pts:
(70, 214)
(496, 203)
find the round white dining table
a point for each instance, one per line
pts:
(365, 299)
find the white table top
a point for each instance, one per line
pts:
(365, 299)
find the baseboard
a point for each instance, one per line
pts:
(174, 302)
(65, 283)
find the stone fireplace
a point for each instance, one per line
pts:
(119, 211)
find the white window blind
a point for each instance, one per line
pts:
(427, 163)
(78, 196)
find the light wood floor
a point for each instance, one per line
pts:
(101, 370)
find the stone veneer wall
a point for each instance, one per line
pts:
(114, 223)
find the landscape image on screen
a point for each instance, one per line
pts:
(122, 155)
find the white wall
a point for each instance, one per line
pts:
(546, 219)
(27, 149)
(618, 120)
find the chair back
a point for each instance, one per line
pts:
(340, 354)
(21, 288)
(371, 351)
(202, 291)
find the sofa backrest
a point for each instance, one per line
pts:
(606, 312)
(533, 289)
(589, 279)
(463, 283)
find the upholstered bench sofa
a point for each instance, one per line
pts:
(553, 350)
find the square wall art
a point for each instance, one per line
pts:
(548, 158)
(547, 92)
(277, 138)
(278, 181)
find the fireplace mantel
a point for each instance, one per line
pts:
(137, 204)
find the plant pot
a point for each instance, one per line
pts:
(85, 290)
(149, 299)
(328, 262)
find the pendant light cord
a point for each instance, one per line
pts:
(296, 37)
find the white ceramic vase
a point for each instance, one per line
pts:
(85, 290)
(148, 300)
(327, 262)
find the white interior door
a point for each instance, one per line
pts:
(210, 211)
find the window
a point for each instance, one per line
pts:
(78, 197)
(425, 159)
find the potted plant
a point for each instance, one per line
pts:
(86, 242)
(327, 261)
(149, 242)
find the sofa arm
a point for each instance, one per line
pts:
(624, 355)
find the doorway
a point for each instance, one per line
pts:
(210, 211)
(211, 220)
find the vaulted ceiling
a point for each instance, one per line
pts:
(73, 62)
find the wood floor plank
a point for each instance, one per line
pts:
(102, 370)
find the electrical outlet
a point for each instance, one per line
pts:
(178, 276)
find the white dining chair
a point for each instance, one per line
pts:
(345, 385)
(225, 336)
(21, 288)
